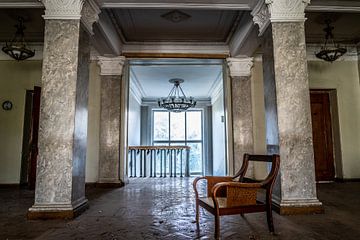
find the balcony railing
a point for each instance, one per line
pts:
(159, 161)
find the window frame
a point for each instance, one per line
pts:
(185, 142)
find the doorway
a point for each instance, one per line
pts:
(30, 138)
(322, 126)
(196, 128)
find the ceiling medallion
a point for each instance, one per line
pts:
(176, 16)
(176, 101)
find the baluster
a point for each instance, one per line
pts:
(151, 162)
(187, 170)
(141, 160)
(174, 165)
(137, 153)
(155, 154)
(166, 153)
(170, 162)
(181, 162)
(161, 160)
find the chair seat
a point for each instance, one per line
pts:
(225, 209)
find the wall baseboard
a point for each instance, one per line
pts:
(9, 186)
(340, 180)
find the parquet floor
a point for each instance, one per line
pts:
(164, 209)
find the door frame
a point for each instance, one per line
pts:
(229, 162)
(335, 128)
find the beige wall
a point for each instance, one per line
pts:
(15, 79)
(340, 75)
(92, 153)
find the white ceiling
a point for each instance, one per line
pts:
(152, 78)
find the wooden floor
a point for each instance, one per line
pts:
(164, 209)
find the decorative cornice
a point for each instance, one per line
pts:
(111, 65)
(240, 67)
(287, 10)
(261, 16)
(90, 14)
(62, 9)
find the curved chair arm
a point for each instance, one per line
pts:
(211, 181)
(196, 180)
(230, 184)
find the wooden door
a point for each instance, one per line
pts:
(34, 137)
(322, 136)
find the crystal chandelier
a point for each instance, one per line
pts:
(330, 51)
(176, 101)
(17, 48)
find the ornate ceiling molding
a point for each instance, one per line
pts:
(90, 14)
(240, 67)
(287, 10)
(63, 9)
(111, 65)
(261, 16)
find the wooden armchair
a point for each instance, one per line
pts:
(238, 194)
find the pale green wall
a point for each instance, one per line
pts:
(344, 77)
(15, 79)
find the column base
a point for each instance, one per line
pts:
(298, 207)
(57, 211)
(109, 183)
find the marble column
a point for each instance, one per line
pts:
(60, 177)
(110, 121)
(287, 104)
(240, 73)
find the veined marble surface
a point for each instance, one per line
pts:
(293, 111)
(62, 138)
(109, 158)
(242, 120)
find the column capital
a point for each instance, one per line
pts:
(111, 65)
(63, 9)
(261, 16)
(287, 10)
(240, 67)
(90, 14)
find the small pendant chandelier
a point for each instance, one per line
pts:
(17, 48)
(176, 101)
(330, 51)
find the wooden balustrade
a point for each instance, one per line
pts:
(162, 161)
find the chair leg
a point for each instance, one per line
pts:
(217, 226)
(197, 213)
(270, 219)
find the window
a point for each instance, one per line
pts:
(183, 128)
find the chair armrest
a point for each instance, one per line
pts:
(237, 189)
(211, 181)
(196, 180)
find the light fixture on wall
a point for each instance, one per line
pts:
(176, 101)
(330, 51)
(17, 48)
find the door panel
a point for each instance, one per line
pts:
(322, 136)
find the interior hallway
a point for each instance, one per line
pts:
(164, 209)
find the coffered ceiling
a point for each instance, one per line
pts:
(154, 25)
